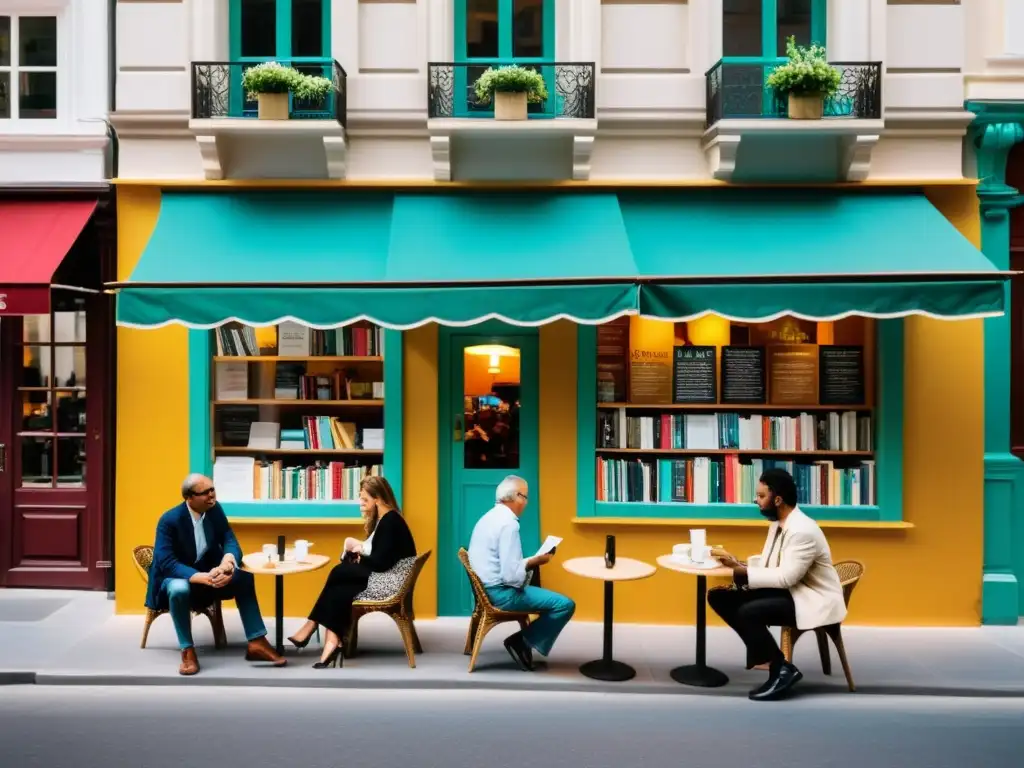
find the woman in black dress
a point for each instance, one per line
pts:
(388, 540)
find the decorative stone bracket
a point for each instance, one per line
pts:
(446, 132)
(855, 140)
(221, 144)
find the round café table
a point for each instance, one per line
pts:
(626, 569)
(256, 564)
(699, 673)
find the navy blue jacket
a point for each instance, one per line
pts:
(174, 552)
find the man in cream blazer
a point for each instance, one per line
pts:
(792, 583)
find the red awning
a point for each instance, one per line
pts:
(35, 236)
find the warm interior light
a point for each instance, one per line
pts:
(490, 350)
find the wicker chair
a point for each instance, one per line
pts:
(398, 608)
(850, 572)
(143, 558)
(485, 616)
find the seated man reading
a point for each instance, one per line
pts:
(195, 562)
(793, 584)
(496, 556)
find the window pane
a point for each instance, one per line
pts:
(5, 95)
(37, 95)
(69, 321)
(491, 397)
(36, 415)
(35, 367)
(741, 28)
(528, 28)
(37, 41)
(71, 411)
(308, 28)
(36, 461)
(482, 29)
(70, 462)
(259, 28)
(36, 328)
(70, 366)
(794, 19)
(5, 41)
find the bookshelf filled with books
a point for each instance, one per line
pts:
(297, 415)
(686, 416)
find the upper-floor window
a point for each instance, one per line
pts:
(28, 67)
(280, 29)
(760, 28)
(504, 30)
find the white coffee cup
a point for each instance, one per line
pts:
(270, 551)
(698, 541)
(301, 550)
(700, 554)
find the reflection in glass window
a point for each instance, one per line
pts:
(491, 391)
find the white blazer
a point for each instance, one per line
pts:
(801, 562)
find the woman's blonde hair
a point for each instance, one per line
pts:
(378, 489)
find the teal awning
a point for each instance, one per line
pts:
(329, 259)
(402, 260)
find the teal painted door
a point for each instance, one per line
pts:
(502, 32)
(489, 400)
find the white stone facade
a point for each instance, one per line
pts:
(650, 56)
(54, 93)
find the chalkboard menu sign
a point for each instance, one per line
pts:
(793, 374)
(693, 375)
(743, 375)
(841, 375)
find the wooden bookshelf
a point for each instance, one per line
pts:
(337, 421)
(300, 359)
(643, 368)
(234, 450)
(727, 407)
(737, 451)
(304, 403)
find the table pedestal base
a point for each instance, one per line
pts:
(699, 675)
(608, 670)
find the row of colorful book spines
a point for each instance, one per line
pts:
(332, 482)
(359, 342)
(772, 436)
(669, 475)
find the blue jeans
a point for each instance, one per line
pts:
(555, 611)
(184, 596)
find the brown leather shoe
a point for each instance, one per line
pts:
(261, 650)
(189, 662)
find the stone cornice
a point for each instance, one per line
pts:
(171, 124)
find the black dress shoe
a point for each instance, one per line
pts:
(779, 684)
(519, 651)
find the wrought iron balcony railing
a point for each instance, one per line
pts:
(735, 89)
(570, 88)
(217, 90)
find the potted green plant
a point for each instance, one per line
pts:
(807, 79)
(511, 88)
(269, 84)
(313, 89)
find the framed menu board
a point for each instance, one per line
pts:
(743, 375)
(793, 374)
(694, 378)
(841, 375)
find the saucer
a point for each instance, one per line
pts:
(707, 564)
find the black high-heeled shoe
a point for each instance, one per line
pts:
(301, 645)
(334, 659)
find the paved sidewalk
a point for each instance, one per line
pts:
(74, 638)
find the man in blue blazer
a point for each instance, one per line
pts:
(195, 562)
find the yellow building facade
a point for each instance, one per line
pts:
(925, 570)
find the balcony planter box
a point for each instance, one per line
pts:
(510, 106)
(806, 79)
(806, 106)
(273, 106)
(511, 89)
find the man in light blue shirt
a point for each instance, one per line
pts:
(496, 556)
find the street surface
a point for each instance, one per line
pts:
(179, 727)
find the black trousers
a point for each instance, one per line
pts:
(750, 613)
(333, 609)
